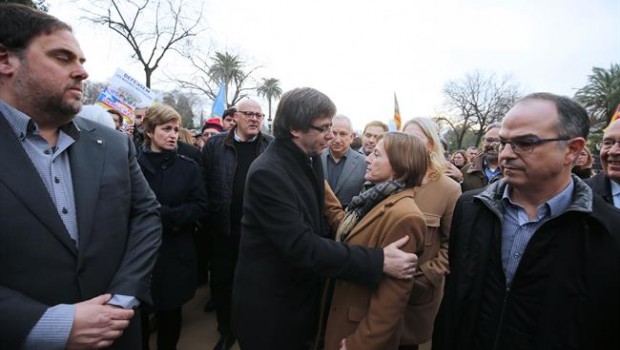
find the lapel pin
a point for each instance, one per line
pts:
(99, 141)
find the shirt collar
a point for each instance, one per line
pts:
(343, 156)
(615, 188)
(22, 125)
(554, 206)
(238, 139)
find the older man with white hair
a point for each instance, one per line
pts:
(343, 167)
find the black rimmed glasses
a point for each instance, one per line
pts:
(526, 145)
(248, 115)
(491, 139)
(322, 129)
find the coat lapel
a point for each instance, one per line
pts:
(349, 165)
(20, 175)
(86, 157)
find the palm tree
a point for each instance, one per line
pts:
(601, 95)
(270, 89)
(227, 68)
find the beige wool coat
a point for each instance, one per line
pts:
(372, 319)
(436, 199)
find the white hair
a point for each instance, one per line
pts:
(98, 115)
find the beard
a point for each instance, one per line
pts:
(44, 100)
(491, 154)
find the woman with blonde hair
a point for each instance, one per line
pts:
(583, 164)
(459, 158)
(360, 317)
(186, 136)
(436, 198)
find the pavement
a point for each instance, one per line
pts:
(199, 330)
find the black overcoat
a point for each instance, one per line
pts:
(177, 182)
(284, 253)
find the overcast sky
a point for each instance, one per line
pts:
(360, 52)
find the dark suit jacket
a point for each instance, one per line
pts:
(600, 185)
(118, 224)
(282, 256)
(352, 176)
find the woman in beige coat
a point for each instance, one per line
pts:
(361, 318)
(436, 198)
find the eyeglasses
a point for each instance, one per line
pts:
(491, 139)
(322, 129)
(608, 143)
(526, 145)
(248, 115)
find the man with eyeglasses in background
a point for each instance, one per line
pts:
(534, 257)
(484, 168)
(227, 159)
(607, 183)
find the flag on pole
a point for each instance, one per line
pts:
(616, 115)
(397, 119)
(219, 104)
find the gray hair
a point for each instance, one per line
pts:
(98, 115)
(344, 118)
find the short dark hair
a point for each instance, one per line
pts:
(229, 112)
(117, 113)
(297, 108)
(21, 24)
(573, 120)
(379, 124)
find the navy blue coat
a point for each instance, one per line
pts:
(178, 184)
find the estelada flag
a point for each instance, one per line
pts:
(397, 119)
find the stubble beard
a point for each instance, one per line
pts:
(47, 106)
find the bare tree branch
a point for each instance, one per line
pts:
(150, 30)
(478, 100)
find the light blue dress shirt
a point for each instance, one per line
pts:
(615, 193)
(518, 228)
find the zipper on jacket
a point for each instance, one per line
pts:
(501, 319)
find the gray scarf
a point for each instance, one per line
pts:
(363, 203)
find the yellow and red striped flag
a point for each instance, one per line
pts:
(397, 119)
(616, 115)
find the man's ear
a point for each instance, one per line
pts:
(574, 148)
(296, 133)
(7, 61)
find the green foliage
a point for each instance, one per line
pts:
(37, 4)
(182, 103)
(92, 89)
(270, 89)
(601, 95)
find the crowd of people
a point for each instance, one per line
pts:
(312, 241)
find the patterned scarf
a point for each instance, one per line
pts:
(363, 203)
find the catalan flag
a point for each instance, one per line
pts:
(616, 115)
(397, 119)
